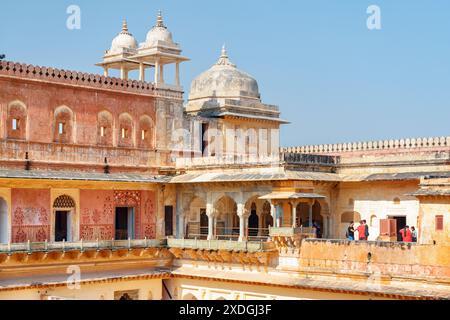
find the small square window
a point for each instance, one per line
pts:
(15, 124)
(60, 128)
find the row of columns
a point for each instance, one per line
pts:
(243, 221)
(159, 73)
(276, 210)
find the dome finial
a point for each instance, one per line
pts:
(160, 21)
(224, 59)
(124, 25)
(224, 52)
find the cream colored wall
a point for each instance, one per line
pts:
(148, 290)
(429, 209)
(182, 289)
(375, 199)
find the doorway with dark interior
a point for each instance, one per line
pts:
(124, 227)
(204, 221)
(168, 220)
(401, 223)
(253, 222)
(62, 226)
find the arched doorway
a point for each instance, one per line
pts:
(303, 214)
(227, 220)
(267, 219)
(317, 218)
(3, 221)
(196, 220)
(63, 209)
(253, 222)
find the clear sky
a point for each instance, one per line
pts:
(333, 78)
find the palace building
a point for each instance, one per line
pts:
(114, 188)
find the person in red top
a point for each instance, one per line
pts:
(361, 231)
(406, 234)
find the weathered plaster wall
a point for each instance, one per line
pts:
(429, 209)
(396, 259)
(150, 289)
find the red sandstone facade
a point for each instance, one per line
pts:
(61, 122)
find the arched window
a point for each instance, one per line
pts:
(104, 128)
(396, 200)
(125, 138)
(17, 120)
(63, 125)
(145, 133)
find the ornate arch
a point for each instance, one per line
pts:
(63, 125)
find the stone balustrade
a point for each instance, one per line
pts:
(398, 144)
(300, 158)
(184, 162)
(89, 80)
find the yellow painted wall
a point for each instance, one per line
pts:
(148, 290)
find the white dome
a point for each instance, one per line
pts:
(158, 33)
(124, 40)
(224, 80)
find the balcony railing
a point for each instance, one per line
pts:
(220, 245)
(195, 231)
(31, 247)
(78, 154)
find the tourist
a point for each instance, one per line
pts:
(350, 235)
(406, 234)
(317, 229)
(361, 231)
(414, 234)
(366, 229)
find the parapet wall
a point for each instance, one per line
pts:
(89, 80)
(376, 258)
(381, 145)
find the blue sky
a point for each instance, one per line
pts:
(334, 79)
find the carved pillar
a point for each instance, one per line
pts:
(157, 72)
(180, 217)
(273, 213)
(211, 217)
(294, 214)
(310, 210)
(242, 221)
(177, 74)
(161, 73)
(141, 72)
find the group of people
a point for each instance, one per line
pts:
(362, 229)
(406, 234)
